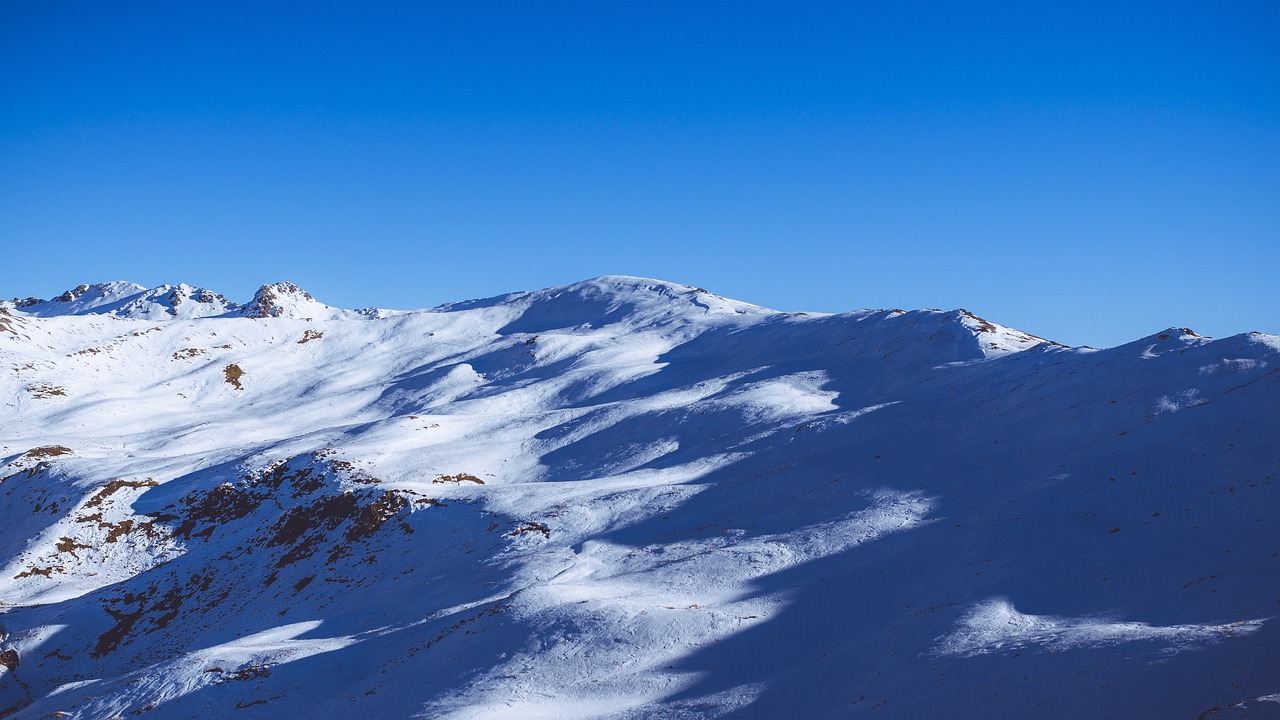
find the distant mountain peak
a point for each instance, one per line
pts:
(619, 298)
(282, 299)
(1168, 339)
(995, 339)
(81, 299)
(73, 293)
(137, 302)
(176, 301)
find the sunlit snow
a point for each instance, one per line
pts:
(624, 498)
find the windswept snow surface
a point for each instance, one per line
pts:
(626, 498)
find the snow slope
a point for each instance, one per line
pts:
(626, 498)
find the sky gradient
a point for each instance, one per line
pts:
(1088, 172)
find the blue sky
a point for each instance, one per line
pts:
(1090, 172)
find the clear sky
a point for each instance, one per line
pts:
(1089, 172)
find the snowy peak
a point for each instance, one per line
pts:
(132, 301)
(176, 301)
(995, 340)
(101, 298)
(638, 301)
(620, 298)
(1176, 334)
(284, 299)
(647, 291)
(1271, 342)
(930, 336)
(1169, 340)
(1170, 337)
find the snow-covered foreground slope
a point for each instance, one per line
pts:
(626, 498)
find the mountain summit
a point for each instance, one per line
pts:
(165, 302)
(284, 299)
(625, 498)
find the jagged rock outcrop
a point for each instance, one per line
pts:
(283, 299)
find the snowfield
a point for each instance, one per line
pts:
(626, 498)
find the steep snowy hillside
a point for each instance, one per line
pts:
(626, 498)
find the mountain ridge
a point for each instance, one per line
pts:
(130, 300)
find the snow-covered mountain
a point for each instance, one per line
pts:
(169, 302)
(626, 498)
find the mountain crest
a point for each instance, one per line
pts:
(282, 299)
(176, 301)
(619, 298)
(993, 339)
(173, 302)
(82, 299)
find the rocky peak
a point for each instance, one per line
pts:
(282, 299)
(73, 294)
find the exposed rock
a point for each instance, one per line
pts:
(276, 300)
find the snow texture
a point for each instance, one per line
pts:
(626, 498)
